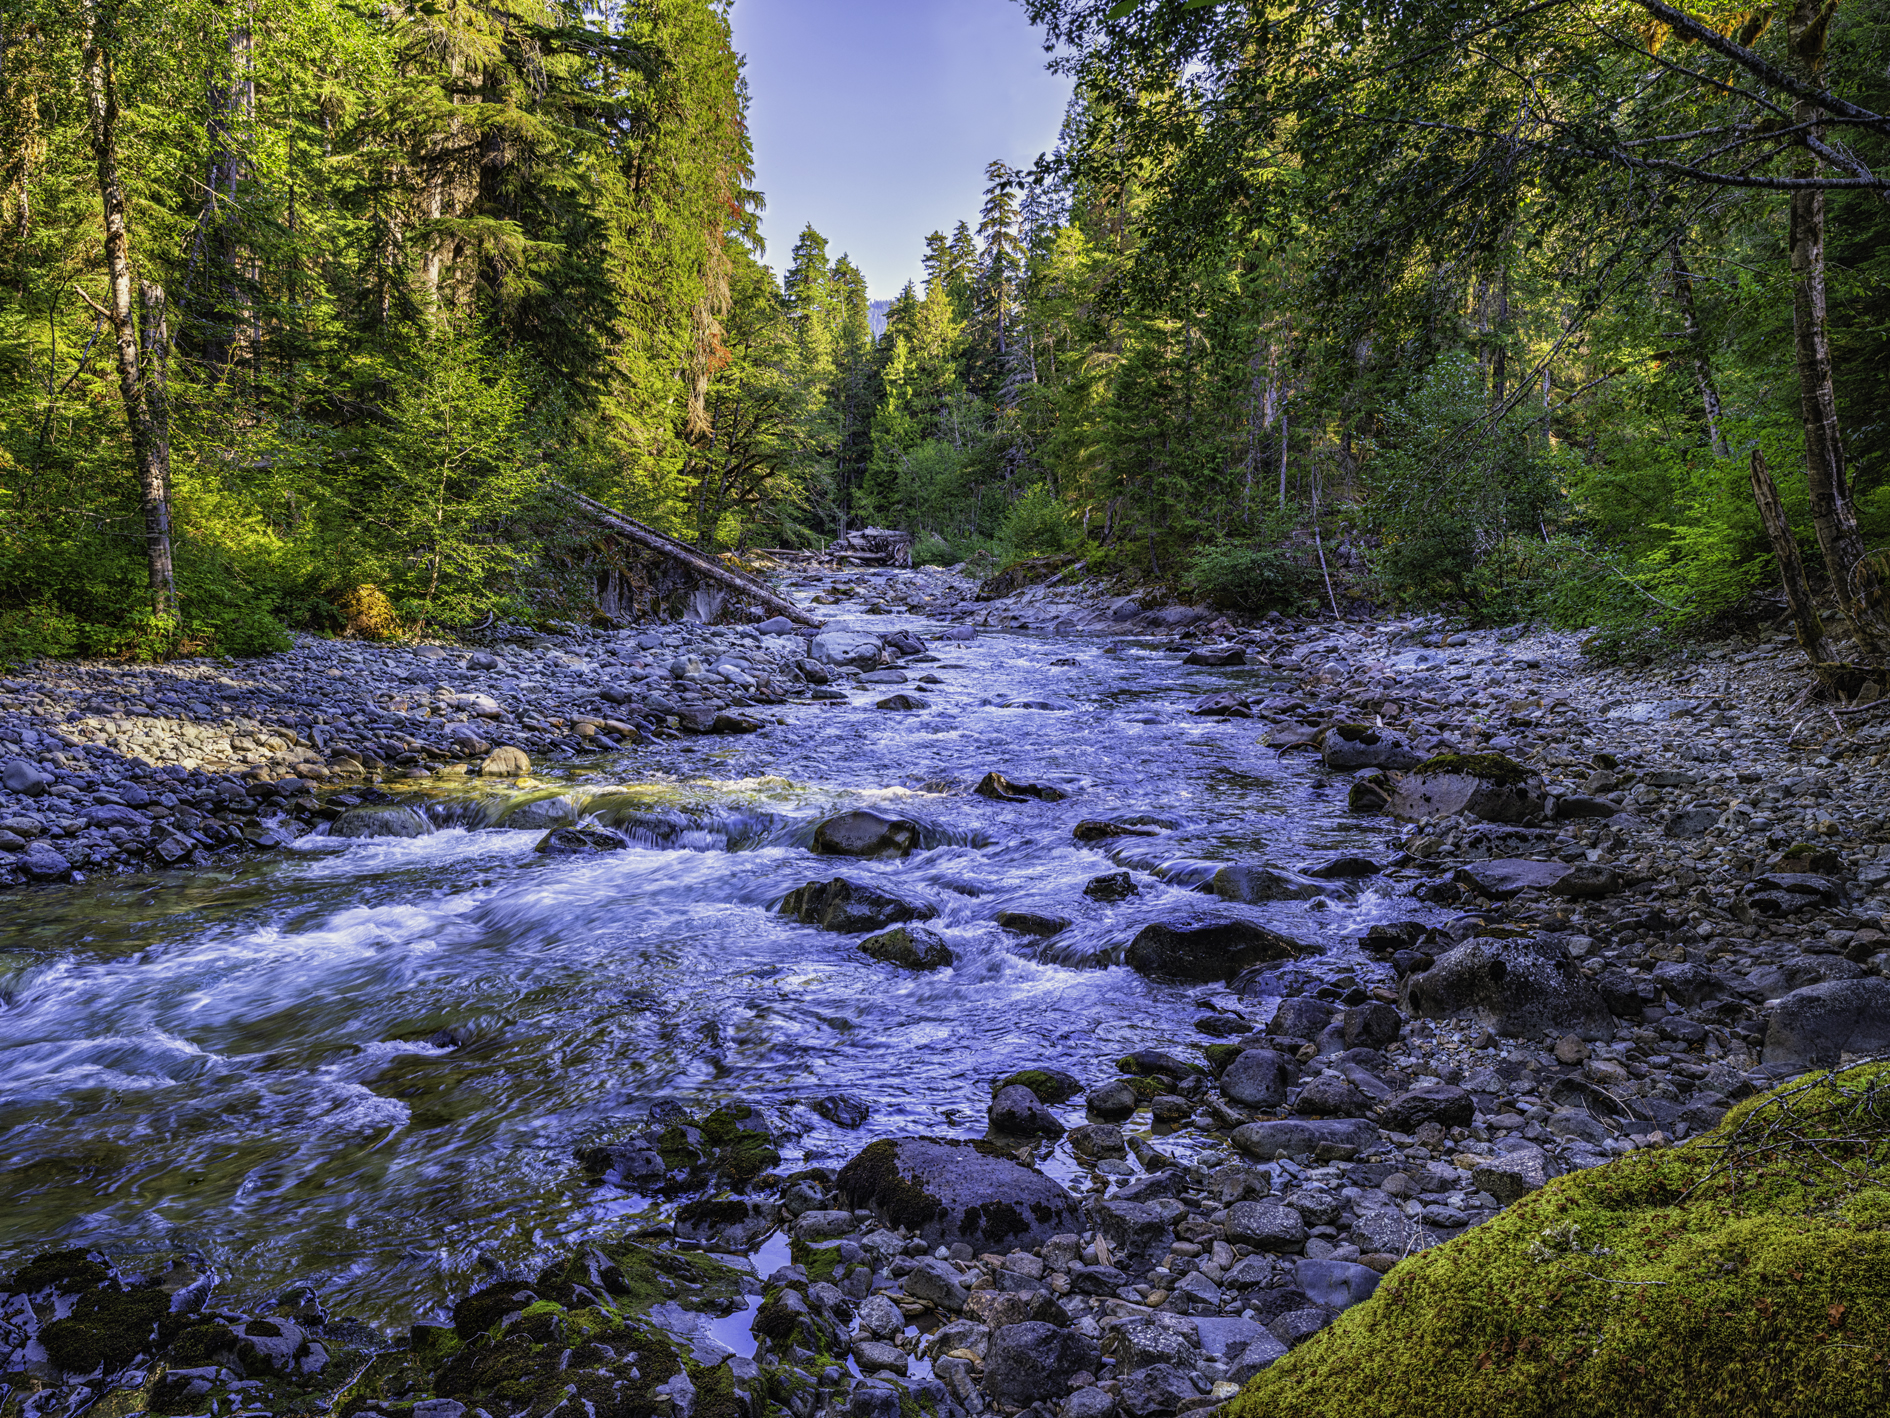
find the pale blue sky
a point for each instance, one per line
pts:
(874, 119)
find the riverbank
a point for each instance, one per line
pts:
(1236, 1110)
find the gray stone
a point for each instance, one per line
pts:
(27, 779)
(1329, 1097)
(1252, 884)
(1098, 1140)
(438, 1408)
(1301, 1018)
(1512, 988)
(865, 834)
(1687, 984)
(1512, 1176)
(1265, 1225)
(1349, 747)
(1341, 1138)
(1444, 1104)
(381, 820)
(1371, 1026)
(1692, 822)
(1160, 1388)
(1508, 876)
(1031, 1361)
(1295, 1327)
(1815, 1026)
(1139, 1345)
(1587, 881)
(1089, 1402)
(1249, 1273)
(1112, 1101)
(1206, 946)
(876, 1355)
(948, 1192)
(1221, 1335)
(1137, 1233)
(39, 862)
(1255, 1079)
(1336, 1284)
(1016, 1110)
(849, 906)
(1254, 1357)
(910, 948)
(936, 1281)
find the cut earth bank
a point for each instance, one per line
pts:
(1666, 907)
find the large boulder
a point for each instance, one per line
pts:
(381, 820)
(910, 947)
(847, 906)
(951, 1191)
(1252, 883)
(1206, 946)
(1485, 785)
(866, 834)
(1353, 746)
(1815, 1026)
(1514, 988)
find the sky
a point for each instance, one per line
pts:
(874, 119)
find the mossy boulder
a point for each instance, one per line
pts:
(1048, 1084)
(1745, 1273)
(1489, 786)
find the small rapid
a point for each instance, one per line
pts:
(366, 1064)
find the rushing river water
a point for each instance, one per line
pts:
(238, 1064)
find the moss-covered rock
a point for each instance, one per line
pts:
(1745, 1273)
(1490, 767)
(1048, 1084)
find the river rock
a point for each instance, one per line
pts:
(1444, 1104)
(1256, 1078)
(1265, 1225)
(1341, 1138)
(41, 862)
(507, 762)
(1016, 1110)
(1047, 1085)
(1112, 1102)
(1001, 789)
(848, 906)
(1512, 989)
(1344, 869)
(27, 779)
(895, 702)
(1512, 1176)
(1352, 746)
(1098, 831)
(1300, 1017)
(1205, 946)
(866, 834)
(846, 647)
(1484, 785)
(1336, 1284)
(1813, 1027)
(1587, 881)
(1251, 883)
(1509, 876)
(1029, 923)
(1032, 1361)
(948, 1191)
(1329, 1097)
(580, 842)
(1216, 658)
(381, 820)
(911, 947)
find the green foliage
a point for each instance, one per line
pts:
(1246, 577)
(1038, 524)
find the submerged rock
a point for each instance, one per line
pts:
(1205, 946)
(848, 906)
(912, 947)
(866, 834)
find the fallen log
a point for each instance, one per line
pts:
(705, 566)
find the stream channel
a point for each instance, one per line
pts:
(236, 1064)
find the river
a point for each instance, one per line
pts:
(248, 1065)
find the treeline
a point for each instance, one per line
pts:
(306, 308)
(1490, 307)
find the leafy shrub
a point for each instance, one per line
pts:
(1247, 578)
(367, 614)
(1038, 524)
(38, 630)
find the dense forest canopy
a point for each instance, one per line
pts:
(1567, 309)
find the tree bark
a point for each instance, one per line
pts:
(141, 390)
(1702, 371)
(1854, 581)
(1791, 570)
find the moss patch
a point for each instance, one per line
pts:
(873, 1178)
(108, 1327)
(68, 1272)
(1490, 767)
(1145, 1088)
(1048, 1085)
(1219, 1056)
(1666, 1282)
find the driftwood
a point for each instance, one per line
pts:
(704, 566)
(882, 545)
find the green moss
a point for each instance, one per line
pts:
(873, 1179)
(432, 1343)
(109, 1327)
(68, 1272)
(1490, 767)
(744, 1150)
(1219, 1056)
(1048, 1086)
(203, 1344)
(1145, 1088)
(820, 1262)
(1666, 1282)
(715, 1392)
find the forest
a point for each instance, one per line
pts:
(1576, 311)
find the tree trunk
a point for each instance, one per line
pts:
(141, 390)
(1791, 570)
(1854, 581)
(1702, 372)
